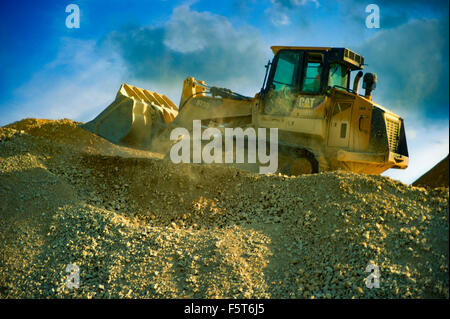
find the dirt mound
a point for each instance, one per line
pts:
(435, 177)
(66, 132)
(139, 226)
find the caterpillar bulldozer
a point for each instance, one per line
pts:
(323, 122)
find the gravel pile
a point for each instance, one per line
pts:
(138, 226)
(437, 176)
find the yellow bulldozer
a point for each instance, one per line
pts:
(323, 122)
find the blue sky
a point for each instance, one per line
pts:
(50, 71)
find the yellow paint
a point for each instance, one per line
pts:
(275, 49)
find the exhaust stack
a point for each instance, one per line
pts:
(369, 83)
(356, 82)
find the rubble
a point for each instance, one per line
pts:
(139, 226)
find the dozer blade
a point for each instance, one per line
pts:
(135, 117)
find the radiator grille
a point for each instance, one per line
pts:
(393, 131)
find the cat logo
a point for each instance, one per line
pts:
(305, 102)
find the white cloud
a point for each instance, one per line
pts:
(281, 10)
(293, 3)
(199, 44)
(189, 31)
(279, 18)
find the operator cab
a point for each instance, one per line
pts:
(312, 70)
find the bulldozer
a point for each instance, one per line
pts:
(323, 122)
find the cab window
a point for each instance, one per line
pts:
(313, 74)
(286, 72)
(338, 76)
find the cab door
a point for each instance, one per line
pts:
(340, 124)
(361, 119)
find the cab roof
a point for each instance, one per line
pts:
(346, 56)
(277, 48)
